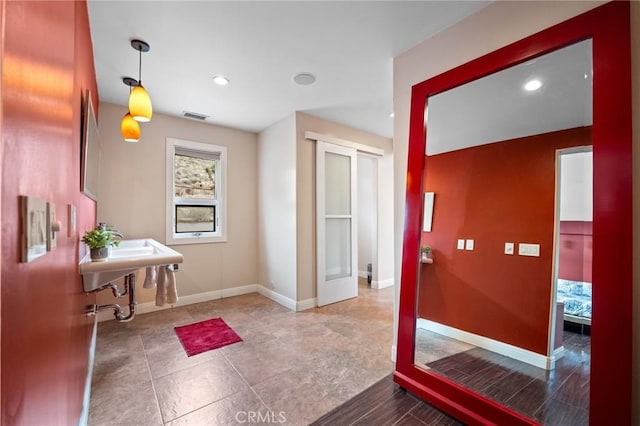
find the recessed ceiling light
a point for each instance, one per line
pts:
(304, 78)
(532, 85)
(220, 80)
(392, 115)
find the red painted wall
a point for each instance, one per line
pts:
(496, 193)
(47, 62)
(576, 244)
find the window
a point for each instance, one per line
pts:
(196, 192)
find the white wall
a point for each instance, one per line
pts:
(367, 211)
(277, 207)
(306, 199)
(384, 271)
(576, 186)
(132, 197)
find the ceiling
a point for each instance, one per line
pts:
(497, 108)
(259, 46)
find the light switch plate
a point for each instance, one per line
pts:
(508, 248)
(460, 244)
(525, 249)
(469, 245)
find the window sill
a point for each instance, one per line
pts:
(194, 240)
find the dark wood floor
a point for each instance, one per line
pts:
(557, 397)
(385, 403)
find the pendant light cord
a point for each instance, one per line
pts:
(140, 67)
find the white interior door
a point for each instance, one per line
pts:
(336, 223)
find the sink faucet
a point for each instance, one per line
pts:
(111, 229)
(117, 234)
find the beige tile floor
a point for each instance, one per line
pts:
(432, 346)
(291, 365)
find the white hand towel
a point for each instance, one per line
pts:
(172, 290)
(161, 288)
(151, 277)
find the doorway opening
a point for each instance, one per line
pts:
(570, 325)
(349, 179)
(574, 239)
(367, 235)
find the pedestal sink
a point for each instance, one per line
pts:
(125, 259)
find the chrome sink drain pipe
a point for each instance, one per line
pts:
(130, 289)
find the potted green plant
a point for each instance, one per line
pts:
(99, 242)
(426, 252)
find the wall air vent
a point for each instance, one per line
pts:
(195, 115)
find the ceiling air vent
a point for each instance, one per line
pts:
(195, 115)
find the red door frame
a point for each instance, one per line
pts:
(609, 27)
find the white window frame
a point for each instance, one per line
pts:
(220, 235)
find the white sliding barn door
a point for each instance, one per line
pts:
(336, 227)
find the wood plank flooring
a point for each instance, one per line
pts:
(557, 397)
(385, 403)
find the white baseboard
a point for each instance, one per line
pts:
(382, 284)
(285, 301)
(277, 297)
(239, 291)
(524, 355)
(207, 296)
(362, 274)
(144, 308)
(84, 414)
(303, 305)
(557, 354)
(190, 299)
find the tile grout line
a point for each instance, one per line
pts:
(373, 408)
(245, 381)
(200, 408)
(153, 385)
(408, 414)
(229, 358)
(550, 397)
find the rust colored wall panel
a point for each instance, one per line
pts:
(47, 63)
(495, 193)
(576, 245)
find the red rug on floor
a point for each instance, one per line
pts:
(205, 336)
